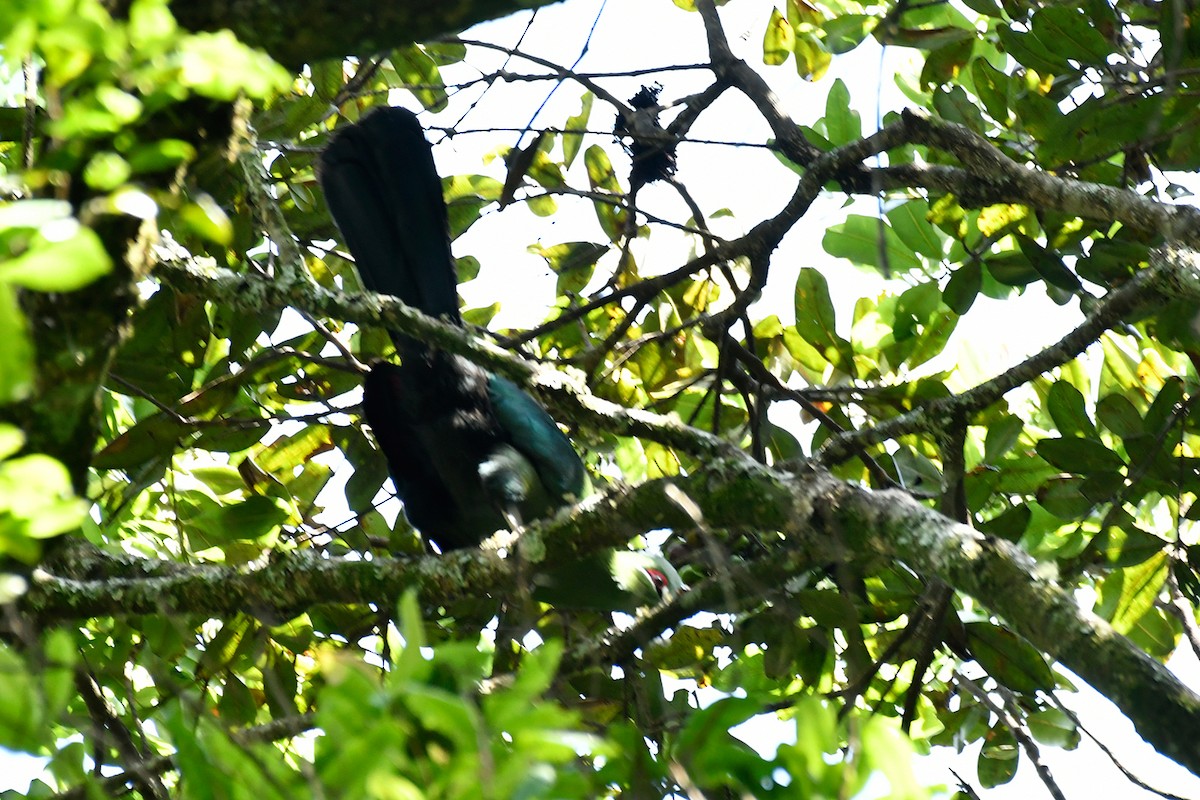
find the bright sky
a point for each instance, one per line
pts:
(633, 34)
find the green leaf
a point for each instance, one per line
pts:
(1010, 524)
(812, 59)
(1063, 497)
(955, 105)
(1052, 726)
(1156, 633)
(466, 196)
(58, 677)
(998, 219)
(992, 87)
(150, 25)
(1068, 33)
(1008, 658)
(208, 220)
(886, 749)
(1011, 269)
(804, 353)
(815, 320)
(249, 520)
(237, 706)
(945, 64)
(236, 636)
(842, 124)
(694, 645)
(445, 53)
(219, 478)
(989, 8)
(910, 221)
(542, 205)
(1167, 407)
(370, 469)
(1116, 413)
(573, 263)
(845, 32)
(62, 256)
(481, 317)
(778, 40)
(1102, 487)
(1048, 265)
(22, 723)
(612, 216)
(217, 65)
(154, 436)
(366, 482)
(963, 287)
(421, 75)
(466, 268)
(1111, 261)
(1066, 406)
(870, 242)
(12, 439)
(36, 502)
(1081, 456)
(999, 758)
(571, 142)
(916, 472)
(1139, 587)
(161, 155)
(922, 323)
(705, 732)
(287, 452)
(1029, 50)
(106, 171)
(16, 356)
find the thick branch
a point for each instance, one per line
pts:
(992, 177)
(819, 518)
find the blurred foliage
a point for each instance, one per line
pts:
(229, 438)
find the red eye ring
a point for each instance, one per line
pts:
(659, 579)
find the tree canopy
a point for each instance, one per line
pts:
(207, 589)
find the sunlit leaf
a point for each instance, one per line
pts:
(1008, 658)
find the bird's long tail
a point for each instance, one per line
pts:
(385, 195)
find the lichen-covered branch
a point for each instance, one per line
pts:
(818, 518)
(992, 177)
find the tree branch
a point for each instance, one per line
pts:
(1174, 273)
(564, 392)
(992, 177)
(819, 518)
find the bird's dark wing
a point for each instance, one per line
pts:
(386, 198)
(536, 436)
(434, 442)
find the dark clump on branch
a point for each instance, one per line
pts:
(651, 147)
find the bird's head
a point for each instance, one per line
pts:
(649, 577)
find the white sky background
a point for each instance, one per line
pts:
(634, 34)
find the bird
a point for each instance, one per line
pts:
(610, 580)
(469, 452)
